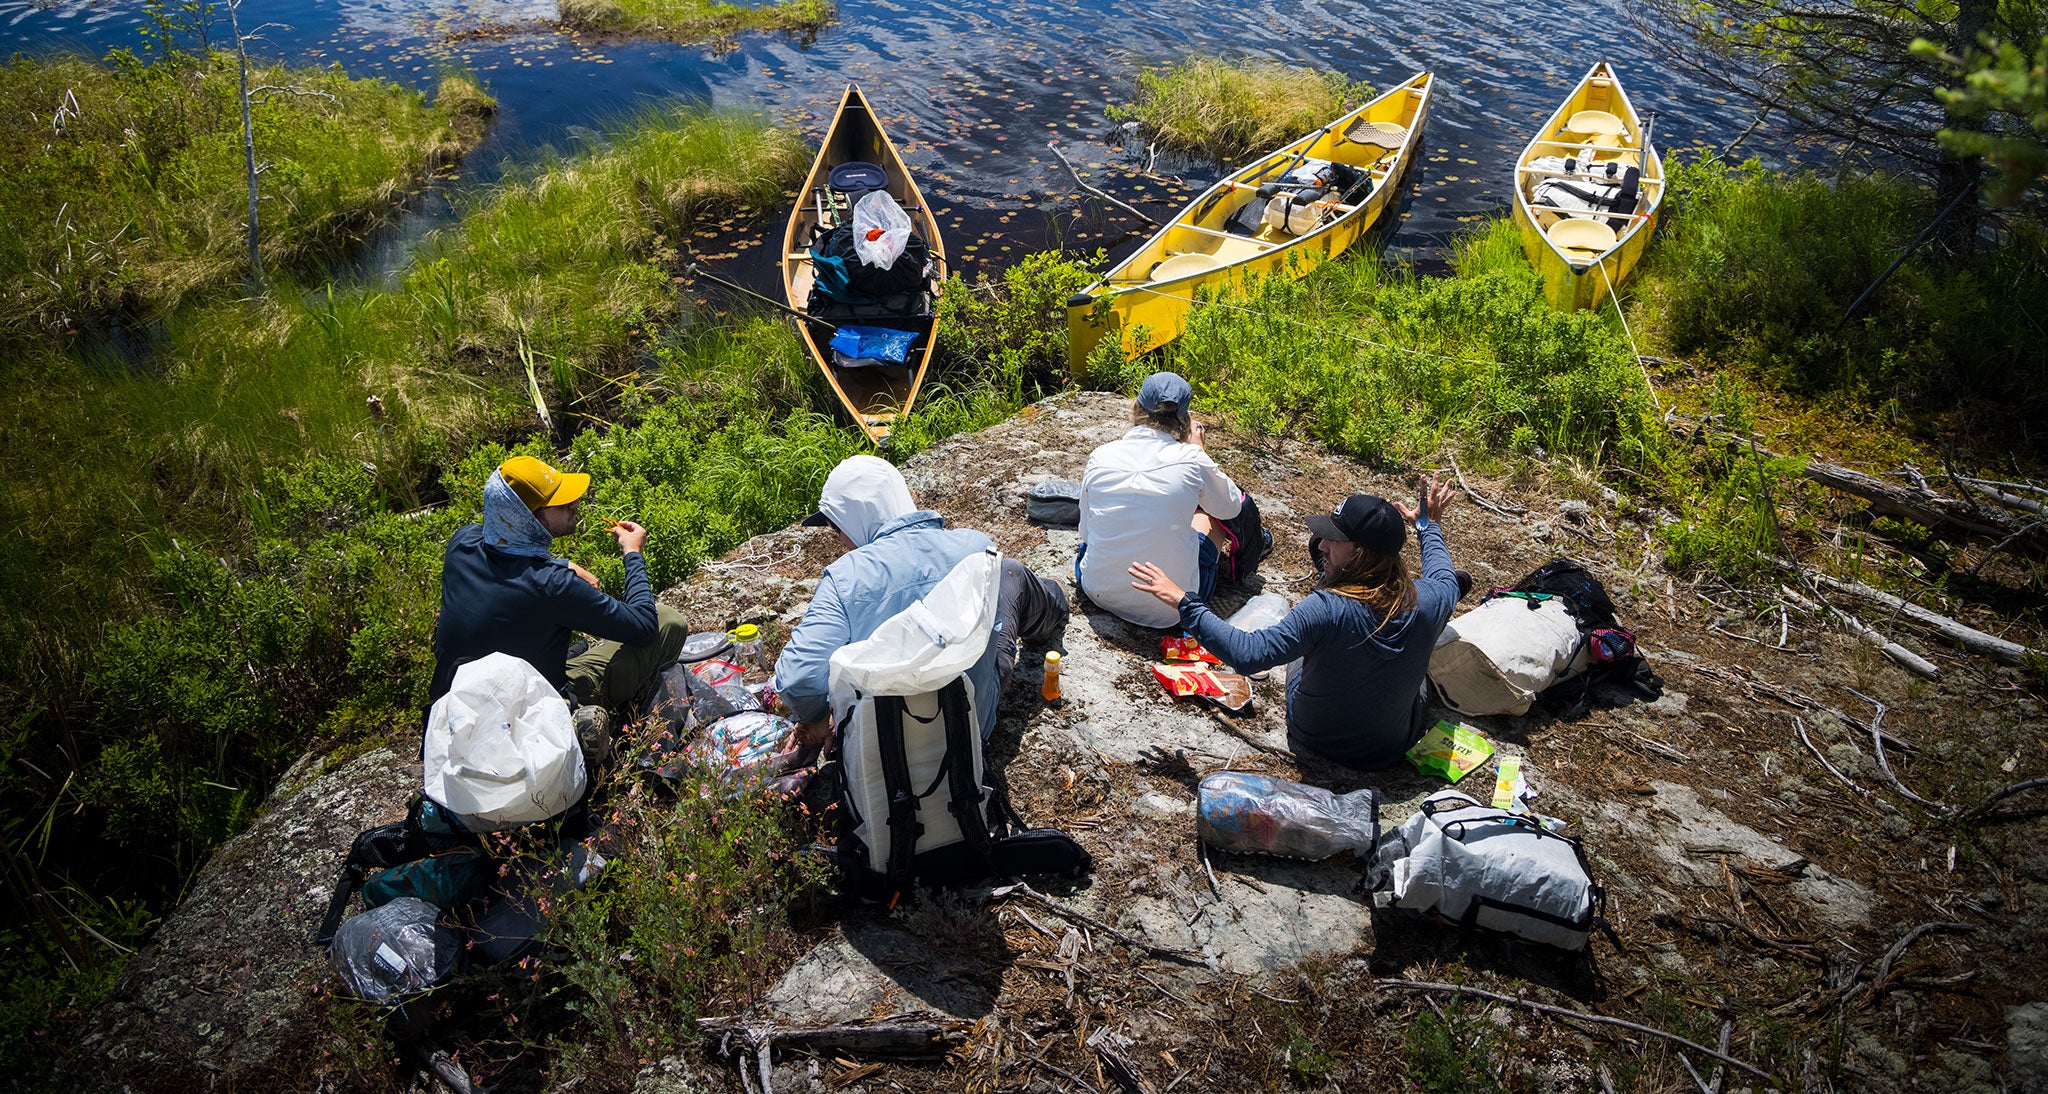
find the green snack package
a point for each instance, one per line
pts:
(1450, 751)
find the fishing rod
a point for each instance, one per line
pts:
(698, 271)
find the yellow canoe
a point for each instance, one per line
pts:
(875, 395)
(1233, 231)
(1593, 145)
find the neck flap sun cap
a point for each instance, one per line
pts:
(510, 526)
(539, 485)
(861, 495)
(1368, 521)
(1162, 388)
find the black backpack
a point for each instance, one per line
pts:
(428, 855)
(842, 278)
(1248, 544)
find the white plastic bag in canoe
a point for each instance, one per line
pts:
(880, 229)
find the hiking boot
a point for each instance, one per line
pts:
(594, 733)
(1464, 582)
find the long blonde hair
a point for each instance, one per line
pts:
(1381, 582)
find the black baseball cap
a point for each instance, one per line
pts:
(1368, 521)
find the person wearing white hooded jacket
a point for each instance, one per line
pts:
(896, 554)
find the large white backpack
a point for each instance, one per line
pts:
(501, 748)
(1492, 869)
(1495, 658)
(909, 720)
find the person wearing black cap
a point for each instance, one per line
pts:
(1363, 637)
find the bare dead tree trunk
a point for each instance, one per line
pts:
(248, 138)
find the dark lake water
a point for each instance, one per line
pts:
(972, 92)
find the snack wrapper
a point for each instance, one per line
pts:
(1186, 649)
(1509, 787)
(1450, 751)
(1184, 679)
(1235, 692)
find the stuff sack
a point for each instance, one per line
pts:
(870, 347)
(1246, 543)
(1236, 811)
(1301, 200)
(1055, 501)
(427, 856)
(501, 748)
(1495, 658)
(394, 951)
(914, 803)
(1489, 868)
(880, 229)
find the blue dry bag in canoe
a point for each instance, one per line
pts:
(880, 344)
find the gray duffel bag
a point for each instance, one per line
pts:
(1496, 870)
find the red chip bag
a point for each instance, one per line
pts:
(1184, 680)
(1186, 649)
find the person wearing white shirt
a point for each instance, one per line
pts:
(1149, 497)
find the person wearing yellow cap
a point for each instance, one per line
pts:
(504, 591)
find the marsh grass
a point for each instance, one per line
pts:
(125, 182)
(693, 20)
(1226, 111)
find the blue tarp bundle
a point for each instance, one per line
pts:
(872, 345)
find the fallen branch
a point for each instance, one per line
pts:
(1096, 191)
(1877, 740)
(1907, 659)
(1480, 499)
(1077, 916)
(1969, 638)
(1978, 810)
(1799, 727)
(1583, 1016)
(902, 1035)
(1113, 1049)
(1884, 966)
(1063, 1073)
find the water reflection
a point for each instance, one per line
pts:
(972, 92)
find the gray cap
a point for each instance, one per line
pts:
(1162, 388)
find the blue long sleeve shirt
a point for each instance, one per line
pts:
(860, 591)
(1358, 696)
(498, 602)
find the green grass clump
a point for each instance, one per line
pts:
(693, 20)
(1226, 111)
(1377, 362)
(126, 184)
(1756, 269)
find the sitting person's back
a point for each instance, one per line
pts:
(1145, 497)
(897, 554)
(1363, 639)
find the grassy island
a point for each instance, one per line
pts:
(693, 20)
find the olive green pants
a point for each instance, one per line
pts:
(611, 675)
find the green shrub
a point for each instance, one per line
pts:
(1013, 335)
(1757, 269)
(1227, 111)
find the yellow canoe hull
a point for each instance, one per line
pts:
(1144, 301)
(1582, 279)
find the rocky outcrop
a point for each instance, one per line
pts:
(224, 996)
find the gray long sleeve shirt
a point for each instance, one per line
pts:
(1358, 697)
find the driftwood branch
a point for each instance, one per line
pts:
(1884, 966)
(902, 1035)
(1583, 1016)
(1969, 638)
(1877, 741)
(1907, 659)
(1098, 192)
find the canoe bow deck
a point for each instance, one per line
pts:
(1147, 296)
(876, 397)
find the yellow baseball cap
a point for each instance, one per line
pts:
(539, 485)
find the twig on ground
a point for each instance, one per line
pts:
(1202, 850)
(1480, 500)
(1877, 739)
(1799, 727)
(1113, 1050)
(1583, 1016)
(1978, 810)
(1063, 1073)
(1083, 918)
(1096, 191)
(1884, 965)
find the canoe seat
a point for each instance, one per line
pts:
(1595, 123)
(1385, 136)
(1582, 240)
(1183, 265)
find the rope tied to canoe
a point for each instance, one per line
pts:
(1615, 298)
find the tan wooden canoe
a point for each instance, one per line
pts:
(1146, 298)
(876, 396)
(1582, 255)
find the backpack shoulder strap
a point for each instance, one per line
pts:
(966, 791)
(904, 827)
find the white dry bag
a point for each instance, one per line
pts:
(1495, 658)
(501, 746)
